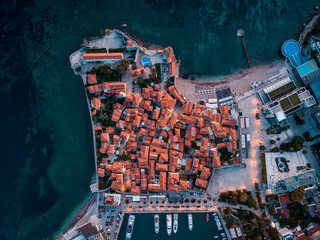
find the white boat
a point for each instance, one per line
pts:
(190, 222)
(156, 223)
(175, 223)
(169, 224)
(130, 227)
(218, 224)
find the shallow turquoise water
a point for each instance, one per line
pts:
(46, 140)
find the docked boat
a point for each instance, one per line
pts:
(130, 227)
(190, 223)
(169, 224)
(207, 217)
(219, 224)
(156, 223)
(175, 223)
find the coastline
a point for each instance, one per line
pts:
(84, 209)
(233, 78)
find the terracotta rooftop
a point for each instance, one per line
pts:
(92, 78)
(93, 56)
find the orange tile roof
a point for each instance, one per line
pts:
(173, 120)
(117, 167)
(93, 56)
(116, 115)
(114, 87)
(135, 190)
(216, 162)
(189, 164)
(168, 102)
(205, 174)
(163, 158)
(109, 130)
(92, 78)
(204, 144)
(172, 67)
(105, 137)
(201, 183)
(133, 99)
(151, 169)
(97, 128)
(154, 187)
(163, 181)
(173, 181)
(187, 119)
(110, 150)
(96, 103)
(161, 167)
(103, 150)
(184, 185)
(101, 172)
(187, 109)
(137, 121)
(156, 114)
(174, 92)
(91, 89)
(137, 72)
(230, 122)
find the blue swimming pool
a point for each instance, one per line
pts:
(146, 61)
(291, 50)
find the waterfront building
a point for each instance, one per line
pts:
(112, 199)
(101, 57)
(283, 98)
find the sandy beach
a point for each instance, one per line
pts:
(238, 82)
(84, 215)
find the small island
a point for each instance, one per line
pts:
(164, 144)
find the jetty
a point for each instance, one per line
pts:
(240, 33)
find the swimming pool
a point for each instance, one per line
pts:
(291, 50)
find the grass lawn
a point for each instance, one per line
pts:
(263, 168)
(281, 89)
(96, 50)
(285, 104)
(294, 99)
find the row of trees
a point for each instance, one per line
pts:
(239, 197)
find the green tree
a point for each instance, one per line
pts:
(297, 195)
(243, 197)
(273, 233)
(262, 147)
(252, 203)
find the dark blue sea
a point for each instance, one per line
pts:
(46, 147)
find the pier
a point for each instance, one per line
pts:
(240, 33)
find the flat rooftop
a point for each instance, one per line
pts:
(294, 160)
(306, 68)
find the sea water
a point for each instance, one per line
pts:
(46, 139)
(144, 227)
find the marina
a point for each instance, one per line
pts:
(145, 226)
